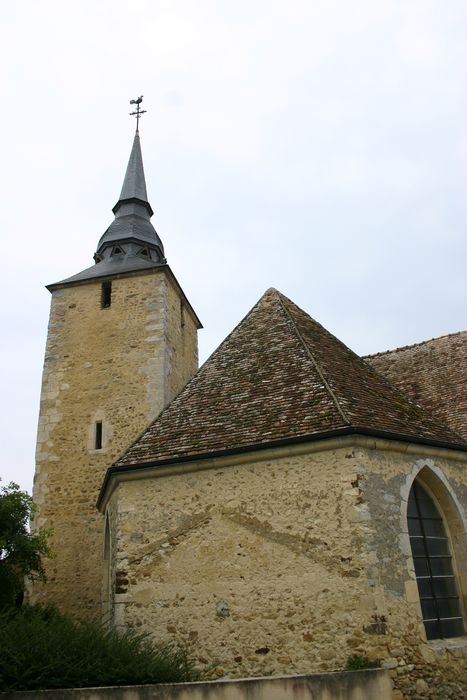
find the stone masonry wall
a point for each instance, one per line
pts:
(181, 343)
(285, 565)
(119, 365)
(385, 476)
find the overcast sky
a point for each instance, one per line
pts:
(319, 147)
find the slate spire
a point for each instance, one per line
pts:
(134, 184)
(132, 233)
(131, 242)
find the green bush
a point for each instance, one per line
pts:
(41, 648)
(357, 663)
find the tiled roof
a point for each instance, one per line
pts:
(433, 374)
(279, 376)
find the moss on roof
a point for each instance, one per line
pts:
(280, 376)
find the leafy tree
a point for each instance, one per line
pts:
(21, 551)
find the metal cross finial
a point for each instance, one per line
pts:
(138, 112)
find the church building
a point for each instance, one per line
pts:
(284, 507)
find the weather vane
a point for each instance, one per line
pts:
(138, 112)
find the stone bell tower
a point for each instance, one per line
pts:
(122, 342)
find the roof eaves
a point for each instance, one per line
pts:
(145, 268)
(91, 274)
(340, 432)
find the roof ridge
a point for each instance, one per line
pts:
(192, 381)
(314, 361)
(412, 345)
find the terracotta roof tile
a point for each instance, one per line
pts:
(433, 374)
(279, 376)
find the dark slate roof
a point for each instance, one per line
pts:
(134, 184)
(131, 230)
(111, 267)
(130, 226)
(280, 376)
(433, 374)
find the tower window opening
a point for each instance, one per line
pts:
(434, 571)
(106, 296)
(182, 314)
(98, 436)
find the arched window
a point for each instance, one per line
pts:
(431, 552)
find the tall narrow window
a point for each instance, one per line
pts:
(98, 436)
(432, 558)
(106, 588)
(182, 314)
(106, 295)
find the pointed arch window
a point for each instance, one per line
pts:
(117, 250)
(434, 571)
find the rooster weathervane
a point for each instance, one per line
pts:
(138, 111)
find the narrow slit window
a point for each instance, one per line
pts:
(98, 435)
(106, 298)
(182, 314)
